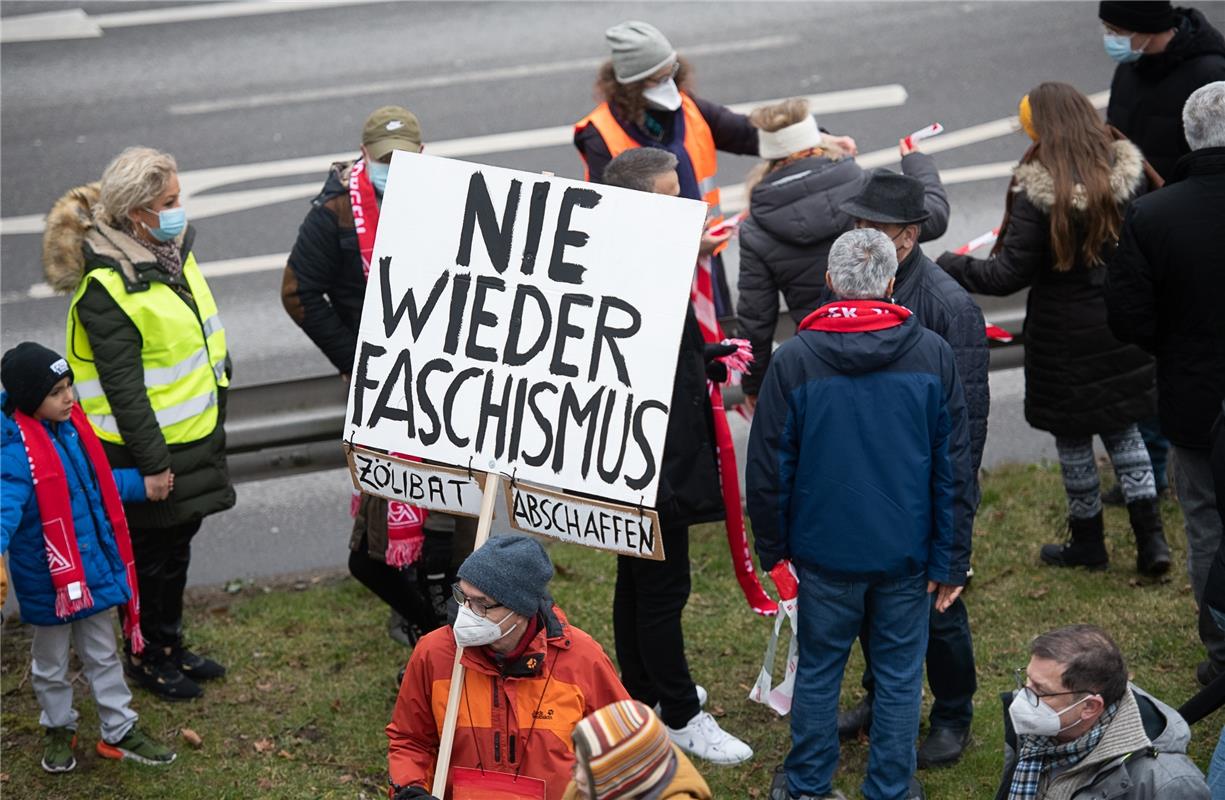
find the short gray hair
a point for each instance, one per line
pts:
(861, 264)
(134, 179)
(638, 168)
(1203, 116)
(1091, 661)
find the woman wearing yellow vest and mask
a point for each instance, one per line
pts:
(148, 350)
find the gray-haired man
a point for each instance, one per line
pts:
(861, 429)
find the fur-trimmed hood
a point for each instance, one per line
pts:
(75, 233)
(1126, 178)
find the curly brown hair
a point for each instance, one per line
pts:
(626, 98)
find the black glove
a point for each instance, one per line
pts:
(716, 370)
(412, 792)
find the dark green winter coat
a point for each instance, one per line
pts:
(74, 244)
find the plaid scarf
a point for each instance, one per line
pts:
(1040, 754)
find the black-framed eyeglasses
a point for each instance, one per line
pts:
(1033, 696)
(479, 607)
(655, 80)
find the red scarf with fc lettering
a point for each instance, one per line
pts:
(855, 316)
(405, 523)
(72, 595)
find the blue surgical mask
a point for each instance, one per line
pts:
(170, 223)
(377, 171)
(1118, 47)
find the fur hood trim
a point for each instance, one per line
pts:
(1126, 177)
(75, 232)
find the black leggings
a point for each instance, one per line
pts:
(162, 558)
(399, 588)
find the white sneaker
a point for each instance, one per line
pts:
(703, 738)
(701, 700)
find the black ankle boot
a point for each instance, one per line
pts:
(1085, 547)
(1152, 552)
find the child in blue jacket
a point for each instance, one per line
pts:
(62, 525)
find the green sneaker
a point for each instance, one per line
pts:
(57, 749)
(138, 747)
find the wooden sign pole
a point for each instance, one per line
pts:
(489, 497)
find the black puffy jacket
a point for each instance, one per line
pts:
(1164, 293)
(1147, 96)
(1079, 379)
(794, 218)
(689, 486)
(324, 285)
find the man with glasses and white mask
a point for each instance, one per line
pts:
(529, 679)
(1077, 729)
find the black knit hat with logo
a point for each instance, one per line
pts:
(29, 372)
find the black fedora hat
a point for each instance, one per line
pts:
(889, 197)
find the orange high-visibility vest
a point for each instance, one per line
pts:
(699, 145)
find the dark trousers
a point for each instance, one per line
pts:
(162, 558)
(402, 589)
(950, 667)
(1158, 450)
(647, 605)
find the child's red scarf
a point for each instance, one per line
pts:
(405, 523)
(59, 535)
(855, 316)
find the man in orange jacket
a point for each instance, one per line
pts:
(529, 679)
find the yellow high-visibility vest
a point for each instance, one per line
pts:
(183, 354)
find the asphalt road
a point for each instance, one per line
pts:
(232, 94)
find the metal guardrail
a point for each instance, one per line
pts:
(278, 429)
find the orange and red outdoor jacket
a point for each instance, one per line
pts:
(515, 717)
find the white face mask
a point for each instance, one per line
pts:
(473, 631)
(1039, 720)
(663, 95)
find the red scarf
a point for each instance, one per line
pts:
(59, 535)
(405, 523)
(855, 316)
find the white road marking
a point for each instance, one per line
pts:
(201, 206)
(733, 196)
(454, 79)
(76, 24)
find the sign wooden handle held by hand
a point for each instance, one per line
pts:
(488, 497)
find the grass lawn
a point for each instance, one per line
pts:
(311, 681)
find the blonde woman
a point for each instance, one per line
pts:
(148, 350)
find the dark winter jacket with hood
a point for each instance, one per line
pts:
(75, 243)
(1147, 95)
(1079, 379)
(324, 284)
(858, 460)
(21, 525)
(1166, 282)
(794, 217)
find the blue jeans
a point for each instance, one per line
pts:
(1216, 770)
(830, 614)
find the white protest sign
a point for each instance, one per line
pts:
(581, 520)
(523, 324)
(426, 485)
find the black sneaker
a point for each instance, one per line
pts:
(160, 676)
(195, 666)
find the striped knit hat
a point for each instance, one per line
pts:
(626, 750)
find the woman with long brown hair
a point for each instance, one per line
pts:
(1063, 214)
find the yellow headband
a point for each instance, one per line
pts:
(1027, 118)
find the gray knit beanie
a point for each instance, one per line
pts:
(514, 570)
(638, 50)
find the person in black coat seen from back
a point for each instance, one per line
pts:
(898, 206)
(795, 215)
(1064, 208)
(1164, 293)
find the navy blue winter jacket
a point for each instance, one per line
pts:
(859, 457)
(21, 529)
